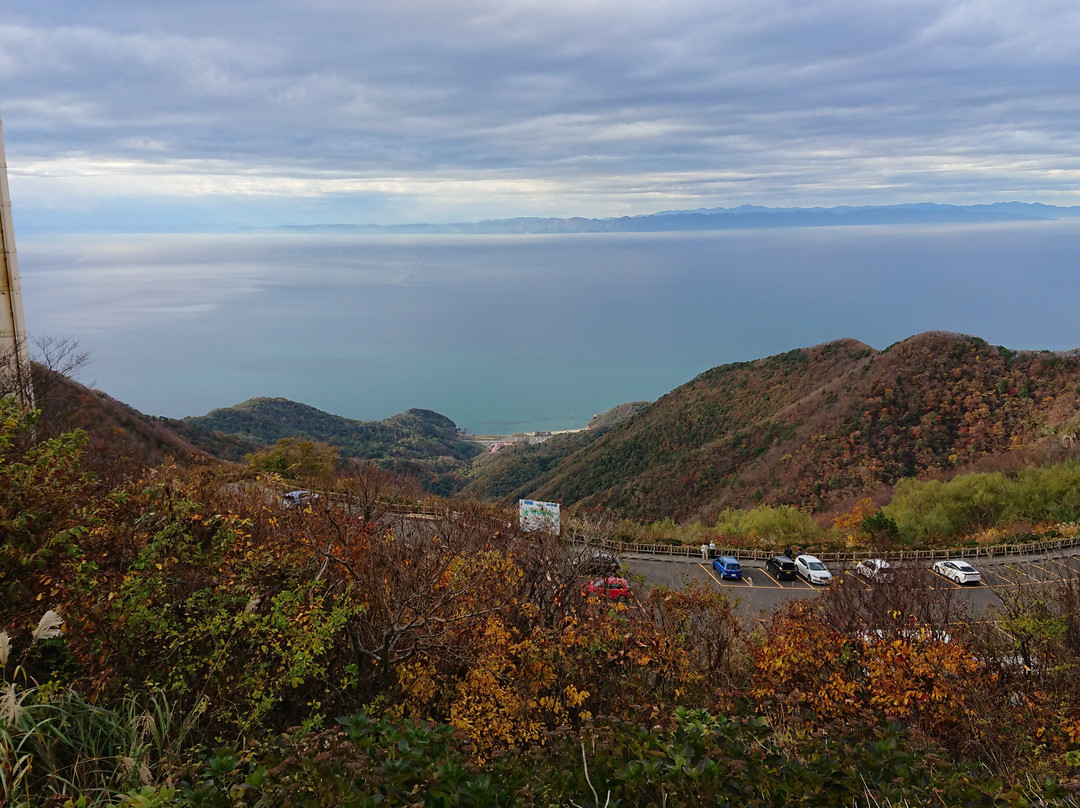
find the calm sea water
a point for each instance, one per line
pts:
(512, 333)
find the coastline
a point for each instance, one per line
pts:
(493, 443)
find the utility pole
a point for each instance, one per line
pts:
(14, 356)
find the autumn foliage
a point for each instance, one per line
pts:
(355, 650)
(814, 428)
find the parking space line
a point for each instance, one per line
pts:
(711, 574)
(772, 581)
(1069, 571)
(1055, 576)
(994, 578)
(709, 569)
(946, 580)
(1044, 569)
(929, 584)
(1025, 573)
(857, 577)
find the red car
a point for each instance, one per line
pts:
(613, 588)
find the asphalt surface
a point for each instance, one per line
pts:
(759, 593)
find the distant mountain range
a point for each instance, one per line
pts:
(743, 217)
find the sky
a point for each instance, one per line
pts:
(128, 116)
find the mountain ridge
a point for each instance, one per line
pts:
(812, 427)
(741, 217)
(420, 440)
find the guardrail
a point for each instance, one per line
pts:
(754, 554)
(402, 508)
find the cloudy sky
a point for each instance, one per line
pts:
(127, 115)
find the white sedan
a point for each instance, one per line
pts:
(959, 572)
(811, 568)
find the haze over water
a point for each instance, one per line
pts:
(514, 333)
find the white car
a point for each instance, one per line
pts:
(874, 569)
(811, 568)
(959, 572)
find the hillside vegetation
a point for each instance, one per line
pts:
(815, 428)
(423, 439)
(117, 435)
(174, 636)
(504, 475)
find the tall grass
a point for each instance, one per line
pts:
(61, 746)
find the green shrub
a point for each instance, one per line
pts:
(1048, 494)
(931, 510)
(696, 759)
(777, 525)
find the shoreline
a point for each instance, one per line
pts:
(493, 443)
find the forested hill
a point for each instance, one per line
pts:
(814, 427)
(416, 434)
(119, 438)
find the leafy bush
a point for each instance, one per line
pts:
(43, 491)
(696, 759)
(932, 510)
(777, 525)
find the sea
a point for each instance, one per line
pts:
(514, 333)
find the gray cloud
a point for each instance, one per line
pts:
(460, 110)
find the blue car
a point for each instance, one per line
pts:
(728, 568)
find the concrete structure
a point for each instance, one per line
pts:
(14, 356)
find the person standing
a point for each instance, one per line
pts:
(712, 549)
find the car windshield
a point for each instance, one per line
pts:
(816, 566)
(963, 566)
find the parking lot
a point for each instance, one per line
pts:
(759, 592)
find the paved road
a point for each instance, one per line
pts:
(760, 593)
